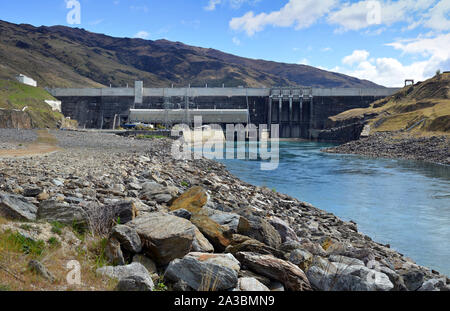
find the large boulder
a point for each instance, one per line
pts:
(128, 238)
(205, 272)
(16, 207)
(51, 211)
(292, 277)
(333, 276)
(166, 237)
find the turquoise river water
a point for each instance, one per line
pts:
(402, 203)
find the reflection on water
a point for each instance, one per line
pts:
(403, 203)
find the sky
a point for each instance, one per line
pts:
(383, 41)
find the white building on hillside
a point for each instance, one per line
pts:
(26, 80)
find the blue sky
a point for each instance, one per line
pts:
(384, 41)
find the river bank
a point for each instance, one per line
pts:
(246, 236)
(434, 149)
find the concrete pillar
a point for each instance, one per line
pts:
(311, 117)
(291, 117)
(300, 117)
(138, 92)
(280, 111)
(269, 116)
(186, 106)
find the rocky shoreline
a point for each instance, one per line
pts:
(435, 149)
(192, 225)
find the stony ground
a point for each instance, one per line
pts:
(191, 225)
(435, 149)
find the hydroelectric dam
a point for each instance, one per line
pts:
(301, 112)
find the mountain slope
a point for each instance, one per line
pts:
(61, 56)
(422, 109)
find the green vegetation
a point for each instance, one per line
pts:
(15, 95)
(57, 227)
(53, 242)
(150, 137)
(19, 243)
(184, 184)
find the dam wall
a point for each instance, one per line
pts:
(300, 112)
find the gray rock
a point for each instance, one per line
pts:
(163, 198)
(125, 210)
(259, 229)
(135, 283)
(53, 211)
(40, 269)
(182, 213)
(249, 274)
(413, 278)
(301, 258)
(292, 277)
(433, 285)
(128, 238)
(251, 285)
(346, 260)
(120, 272)
(31, 192)
(146, 262)
(16, 207)
(166, 237)
(283, 228)
(348, 278)
(230, 220)
(205, 272)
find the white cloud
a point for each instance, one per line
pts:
(142, 35)
(236, 41)
(357, 56)
(297, 13)
(390, 71)
(437, 17)
(326, 49)
(366, 13)
(234, 4)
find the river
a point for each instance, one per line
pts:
(402, 203)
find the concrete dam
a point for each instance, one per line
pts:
(300, 111)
